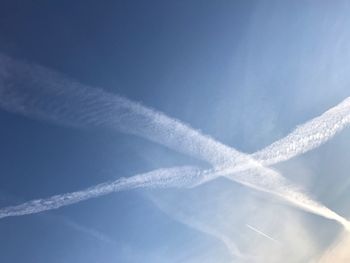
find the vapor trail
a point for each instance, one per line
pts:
(176, 177)
(41, 93)
(37, 92)
(270, 181)
(171, 177)
(307, 136)
(304, 138)
(262, 233)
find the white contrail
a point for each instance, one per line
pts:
(174, 177)
(304, 138)
(171, 177)
(262, 233)
(38, 92)
(307, 136)
(269, 181)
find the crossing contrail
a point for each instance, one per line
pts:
(40, 93)
(171, 177)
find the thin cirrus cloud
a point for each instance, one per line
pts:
(202, 227)
(37, 92)
(68, 222)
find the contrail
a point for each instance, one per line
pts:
(308, 136)
(37, 92)
(269, 181)
(171, 177)
(41, 93)
(195, 224)
(262, 233)
(304, 138)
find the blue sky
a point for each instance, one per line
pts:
(244, 72)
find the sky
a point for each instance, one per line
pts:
(246, 73)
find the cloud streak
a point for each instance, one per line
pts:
(204, 228)
(40, 93)
(307, 136)
(67, 222)
(171, 177)
(262, 233)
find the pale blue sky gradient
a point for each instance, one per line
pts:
(244, 72)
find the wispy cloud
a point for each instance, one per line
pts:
(171, 177)
(89, 231)
(200, 226)
(40, 93)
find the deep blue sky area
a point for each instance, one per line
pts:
(244, 72)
